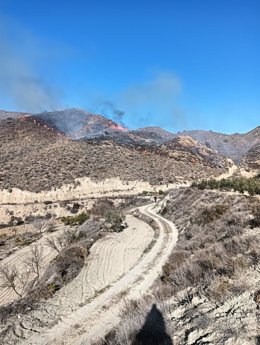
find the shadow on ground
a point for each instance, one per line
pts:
(153, 332)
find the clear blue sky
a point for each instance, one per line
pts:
(180, 64)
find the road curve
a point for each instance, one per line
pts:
(93, 320)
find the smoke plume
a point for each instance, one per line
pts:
(153, 102)
(108, 108)
(19, 81)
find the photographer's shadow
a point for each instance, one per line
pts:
(153, 332)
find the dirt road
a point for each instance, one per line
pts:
(99, 313)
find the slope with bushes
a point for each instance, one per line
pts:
(208, 291)
(36, 158)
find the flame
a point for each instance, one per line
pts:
(38, 123)
(77, 134)
(117, 127)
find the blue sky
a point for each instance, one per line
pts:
(180, 64)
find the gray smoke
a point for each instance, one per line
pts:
(19, 81)
(108, 108)
(151, 102)
(154, 101)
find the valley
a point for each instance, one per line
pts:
(105, 231)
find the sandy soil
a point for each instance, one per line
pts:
(18, 258)
(116, 268)
(248, 174)
(231, 170)
(109, 259)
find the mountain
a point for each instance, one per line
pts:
(78, 123)
(234, 146)
(252, 158)
(35, 156)
(193, 151)
(10, 114)
(154, 133)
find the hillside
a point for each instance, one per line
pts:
(10, 114)
(154, 133)
(37, 157)
(234, 146)
(208, 291)
(252, 158)
(78, 123)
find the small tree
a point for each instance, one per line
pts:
(12, 279)
(68, 236)
(54, 244)
(35, 261)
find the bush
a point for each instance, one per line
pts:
(211, 213)
(77, 220)
(240, 184)
(115, 221)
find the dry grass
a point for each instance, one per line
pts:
(214, 243)
(217, 250)
(145, 321)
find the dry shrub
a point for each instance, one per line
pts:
(101, 207)
(255, 222)
(65, 267)
(176, 259)
(240, 283)
(219, 289)
(143, 322)
(209, 214)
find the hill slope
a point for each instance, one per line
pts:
(37, 157)
(234, 146)
(252, 158)
(77, 124)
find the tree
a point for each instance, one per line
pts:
(12, 279)
(35, 261)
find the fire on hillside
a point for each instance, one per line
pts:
(37, 122)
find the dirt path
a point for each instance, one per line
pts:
(109, 259)
(92, 320)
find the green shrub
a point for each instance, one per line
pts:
(240, 184)
(114, 221)
(75, 220)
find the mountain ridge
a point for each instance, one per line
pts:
(77, 123)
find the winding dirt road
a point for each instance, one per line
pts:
(98, 313)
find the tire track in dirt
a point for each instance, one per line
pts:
(94, 319)
(105, 264)
(18, 259)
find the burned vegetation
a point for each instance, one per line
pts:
(36, 157)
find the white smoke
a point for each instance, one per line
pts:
(19, 81)
(153, 102)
